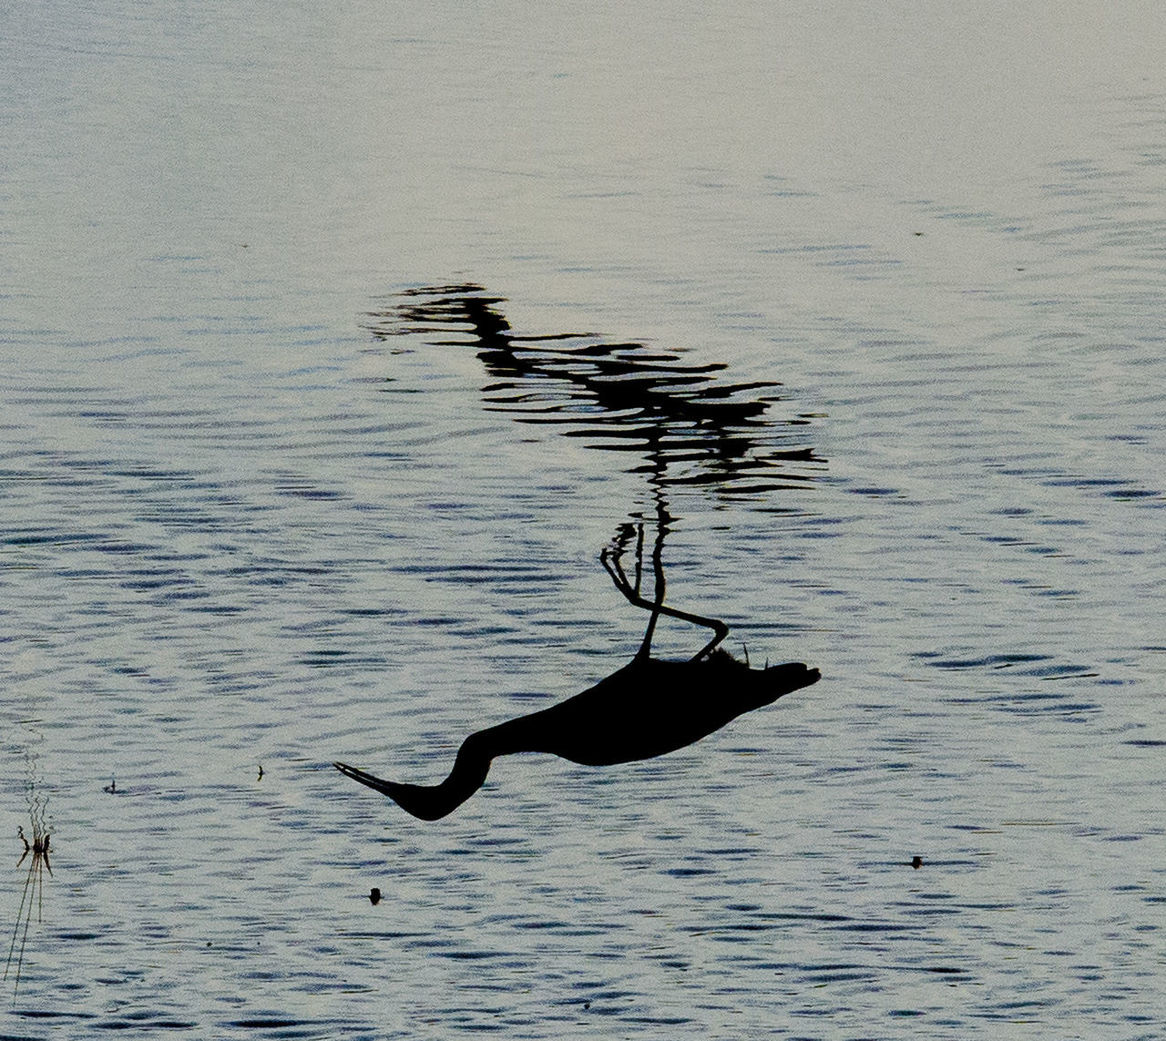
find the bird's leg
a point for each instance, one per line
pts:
(645, 650)
(639, 555)
(720, 631)
(611, 564)
(612, 560)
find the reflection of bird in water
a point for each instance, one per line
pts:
(647, 708)
(683, 424)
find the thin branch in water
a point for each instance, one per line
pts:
(33, 896)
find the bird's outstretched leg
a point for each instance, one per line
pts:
(610, 558)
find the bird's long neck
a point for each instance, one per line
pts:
(432, 802)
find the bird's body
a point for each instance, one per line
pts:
(648, 708)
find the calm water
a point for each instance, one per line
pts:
(247, 526)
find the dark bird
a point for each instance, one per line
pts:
(647, 708)
(678, 423)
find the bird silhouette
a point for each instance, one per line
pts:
(649, 707)
(681, 425)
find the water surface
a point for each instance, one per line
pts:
(244, 526)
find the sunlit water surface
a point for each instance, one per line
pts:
(241, 535)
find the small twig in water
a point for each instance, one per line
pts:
(33, 894)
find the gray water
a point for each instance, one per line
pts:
(241, 535)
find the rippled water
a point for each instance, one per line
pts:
(247, 527)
